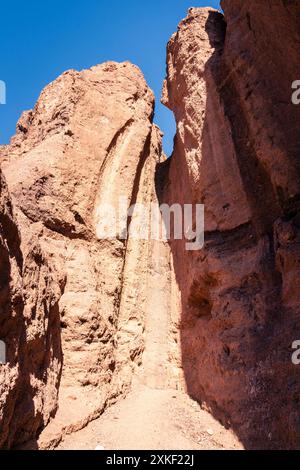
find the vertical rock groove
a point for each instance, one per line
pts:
(85, 317)
(89, 141)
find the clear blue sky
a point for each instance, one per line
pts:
(41, 39)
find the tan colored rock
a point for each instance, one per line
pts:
(89, 141)
(83, 317)
(236, 151)
(30, 328)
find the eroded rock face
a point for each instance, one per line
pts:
(88, 142)
(236, 151)
(74, 307)
(30, 329)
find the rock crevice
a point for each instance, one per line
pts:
(84, 318)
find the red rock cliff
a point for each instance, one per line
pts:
(237, 152)
(88, 142)
(30, 327)
(74, 308)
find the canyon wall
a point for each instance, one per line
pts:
(30, 327)
(82, 315)
(237, 152)
(76, 304)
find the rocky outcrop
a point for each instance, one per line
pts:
(30, 329)
(236, 151)
(88, 143)
(81, 314)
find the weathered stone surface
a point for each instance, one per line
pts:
(89, 141)
(236, 151)
(80, 315)
(30, 328)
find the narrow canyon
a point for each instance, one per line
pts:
(126, 342)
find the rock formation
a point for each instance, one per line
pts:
(236, 152)
(81, 315)
(88, 142)
(30, 326)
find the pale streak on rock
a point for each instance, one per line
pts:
(219, 322)
(89, 140)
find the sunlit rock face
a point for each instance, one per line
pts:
(29, 329)
(229, 84)
(76, 308)
(88, 142)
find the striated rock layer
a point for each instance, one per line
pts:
(88, 142)
(82, 315)
(237, 152)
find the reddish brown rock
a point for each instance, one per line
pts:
(81, 316)
(89, 141)
(30, 328)
(236, 151)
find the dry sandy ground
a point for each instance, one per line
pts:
(154, 416)
(150, 419)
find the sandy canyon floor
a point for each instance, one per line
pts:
(156, 420)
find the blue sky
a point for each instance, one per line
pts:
(40, 40)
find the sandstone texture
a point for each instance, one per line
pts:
(88, 142)
(237, 152)
(89, 319)
(30, 327)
